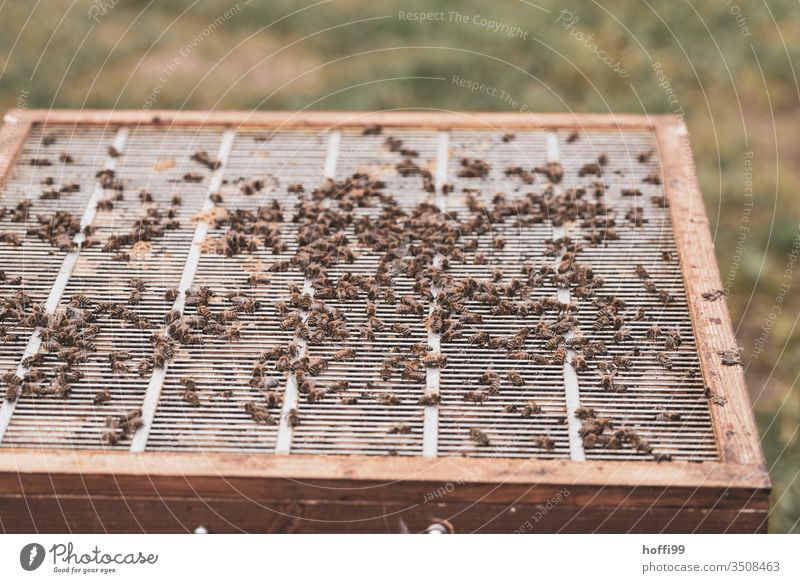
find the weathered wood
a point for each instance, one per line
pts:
(410, 480)
(422, 118)
(164, 515)
(94, 491)
(734, 423)
(13, 133)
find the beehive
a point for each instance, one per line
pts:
(561, 265)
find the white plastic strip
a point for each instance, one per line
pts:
(154, 387)
(64, 273)
(571, 388)
(283, 444)
(430, 424)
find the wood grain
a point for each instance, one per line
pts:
(167, 515)
(13, 133)
(734, 423)
(93, 491)
(422, 118)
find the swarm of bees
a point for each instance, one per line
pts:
(411, 291)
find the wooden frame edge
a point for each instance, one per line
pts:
(742, 468)
(734, 422)
(429, 118)
(13, 133)
(354, 477)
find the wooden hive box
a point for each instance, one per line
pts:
(568, 256)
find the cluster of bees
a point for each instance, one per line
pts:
(57, 229)
(418, 244)
(69, 336)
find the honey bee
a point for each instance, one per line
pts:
(145, 366)
(584, 412)
(665, 296)
(530, 409)
(259, 413)
(675, 335)
(589, 169)
(430, 399)
(386, 372)
(473, 168)
(388, 399)
(554, 342)
(669, 416)
(622, 335)
(33, 360)
(552, 170)
(344, 354)
(607, 381)
(476, 396)
(283, 363)
(316, 394)
(714, 295)
(191, 397)
(120, 427)
(434, 360)
(316, 365)
(731, 357)
(102, 396)
(399, 429)
(540, 359)
(622, 362)
(401, 329)
(578, 362)
(479, 436)
(545, 442)
(664, 360)
(367, 333)
(559, 355)
(653, 332)
(652, 179)
(293, 418)
(515, 378)
(290, 322)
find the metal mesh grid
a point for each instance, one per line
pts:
(222, 370)
(665, 407)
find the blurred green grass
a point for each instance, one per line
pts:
(739, 93)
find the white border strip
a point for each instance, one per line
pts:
(283, 443)
(572, 396)
(60, 283)
(153, 393)
(430, 424)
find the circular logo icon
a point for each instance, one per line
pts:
(31, 556)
